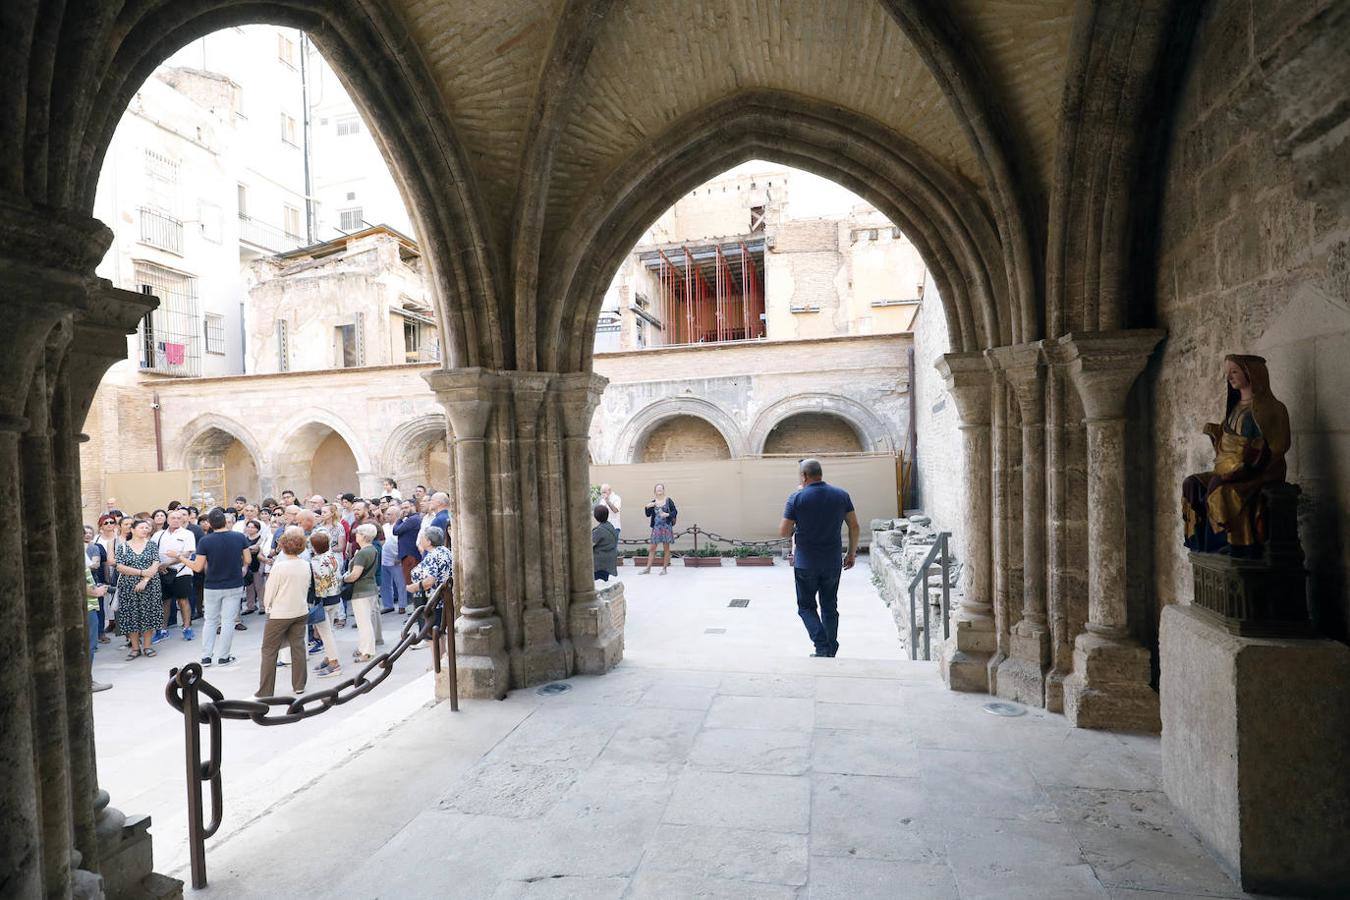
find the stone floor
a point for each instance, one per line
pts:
(716, 761)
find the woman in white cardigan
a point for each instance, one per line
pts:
(286, 602)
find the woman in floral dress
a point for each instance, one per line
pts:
(140, 607)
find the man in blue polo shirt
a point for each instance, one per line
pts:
(813, 516)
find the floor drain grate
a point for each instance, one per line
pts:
(714, 631)
(740, 601)
(1004, 709)
(556, 687)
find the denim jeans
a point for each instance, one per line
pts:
(393, 589)
(222, 608)
(822, 626)
(92, 619)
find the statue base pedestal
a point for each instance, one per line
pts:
(1256, 732)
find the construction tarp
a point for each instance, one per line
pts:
(147, 491)
(743, 498)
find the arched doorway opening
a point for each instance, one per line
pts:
(220, 467)
(418, 452)
(812, 434)
(682, 438)
(317, 458)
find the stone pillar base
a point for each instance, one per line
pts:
(1255, 738)
(127, 860)
(542, 659)
(481, 663)
(1109, 686)
(597, 630)
(1021, 677)
(964, 657)
(1054, 691)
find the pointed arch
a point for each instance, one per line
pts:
(192, 433)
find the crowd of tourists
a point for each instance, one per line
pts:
(307, 567)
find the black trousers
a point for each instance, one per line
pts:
(818, 606)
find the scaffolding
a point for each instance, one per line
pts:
(709, 293)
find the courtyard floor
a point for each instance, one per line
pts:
(717, 761)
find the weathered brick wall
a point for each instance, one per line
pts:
(812, 434)
(121, 429)
(1255, 258)
(683, 438)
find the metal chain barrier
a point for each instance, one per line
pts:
(714, 537)
(187, 686)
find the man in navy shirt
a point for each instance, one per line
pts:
(814, 515)
(223, 555)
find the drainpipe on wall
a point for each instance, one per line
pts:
(159, 435)
(304, 132)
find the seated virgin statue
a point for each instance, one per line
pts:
(1223, 509)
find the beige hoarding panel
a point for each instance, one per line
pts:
(743, 498)
(147, 491)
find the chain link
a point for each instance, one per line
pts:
(714, 537)
(261, 709)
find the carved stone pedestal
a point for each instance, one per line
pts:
(1255, 738)
(542, 659)
(597, 630)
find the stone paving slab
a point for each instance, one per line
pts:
(693, 772)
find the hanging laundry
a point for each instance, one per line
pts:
(173, 353)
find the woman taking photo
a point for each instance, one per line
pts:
(287, 607)
(661, 513)
(140, 609)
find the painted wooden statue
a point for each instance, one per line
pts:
(1223, 509)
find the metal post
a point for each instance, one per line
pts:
(913, 633)
(927, 634)
(946, 589)
(192, 746)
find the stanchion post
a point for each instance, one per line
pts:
(192, 750)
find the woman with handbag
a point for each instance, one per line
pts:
(327, 599)
(287, 612)
(661, 514)
(365, 592)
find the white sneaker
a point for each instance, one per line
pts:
(97, 686)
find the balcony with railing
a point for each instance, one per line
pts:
(268, 238)
(428, 353)
(159, 229)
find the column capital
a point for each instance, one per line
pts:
(58, 240)
(528, 389)
(468, 396)
(1104, 365)
(1023, 365)
(101, 330)
(968, 378)
(578, 395)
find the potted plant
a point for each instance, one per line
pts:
(702, 557)
(754, 556)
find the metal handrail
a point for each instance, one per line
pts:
(921, 577)
(187, 684)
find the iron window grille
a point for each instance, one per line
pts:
(169, 337)
(214, 333)
(348, 125)
(159, 229)
(350, 219)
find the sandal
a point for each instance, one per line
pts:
(132, 655)
(149, 652)
(340, 623)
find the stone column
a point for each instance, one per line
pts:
(1021, 676)
(55, 817)
(541, 657)
(595, 624)
(1109, 686)
(368, 483)
(964, 659)
(483, 667)
(998, 537)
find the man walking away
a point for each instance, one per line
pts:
(223, 555)
(813, 516)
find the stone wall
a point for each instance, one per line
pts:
(810, 434)
(1255, 258)
(938, 473)
(683, 437)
